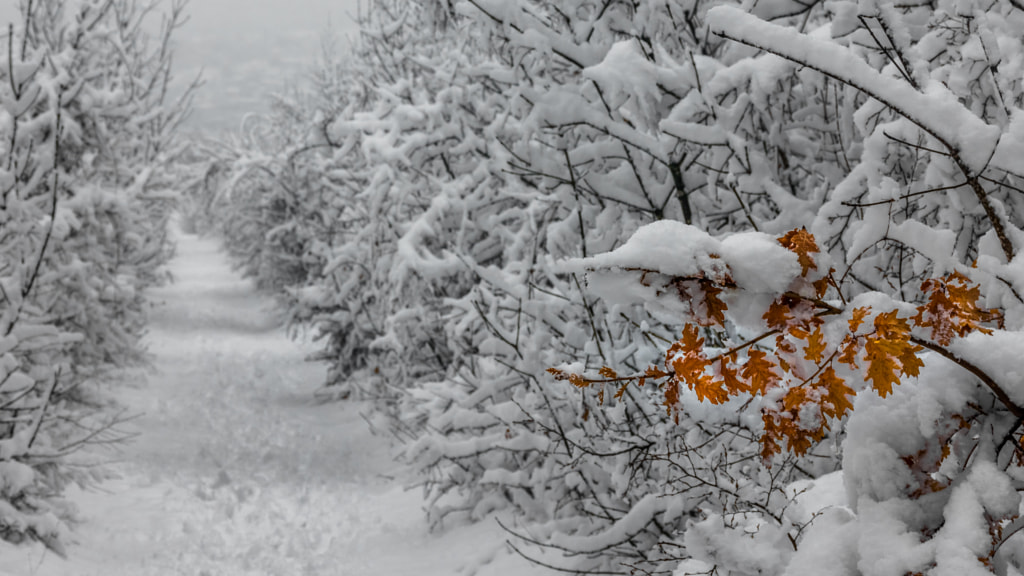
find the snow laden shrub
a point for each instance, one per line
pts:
(255, 190)
(612, 124)
(459, 204)
(283, 205)
(458, 165)
(892, 321)
(404, 130)
(121, 130)
(85, 137)
(341, 202)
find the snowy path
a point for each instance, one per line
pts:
(236, 471)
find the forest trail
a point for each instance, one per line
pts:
(237, 470)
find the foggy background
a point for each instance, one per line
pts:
(247, 50)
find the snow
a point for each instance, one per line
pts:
(237, 470)
(668, 247)
(640, 515)
(935, 109)
(745, 543)
(625, 69)
(756, 262)
(999, 353)
(759, 263)
(641, 271)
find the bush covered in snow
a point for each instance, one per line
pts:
(822, 198)
(85, 144)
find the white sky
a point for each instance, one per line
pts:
(248, 49)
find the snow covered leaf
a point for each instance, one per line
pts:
(802, 243)
(889, 352)
(779, 314)
(857, 318)
(687, 360)
(730, 377)
(952, 309)
(837, 397)
(816, 346)
(848, 351)
(711, 308)
(760, 372)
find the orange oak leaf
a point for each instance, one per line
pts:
(848, 351)
(579, 381)
(671, 395)
(729, 376)
(621, 391)
(794, 399)
(778, 315)
(711, 390)
(889, 326)
(801, 242)
(952, 308)
(889, 352)
(836, 399)
(654, 372)
(858, 318)
(769, 440)
(713, 306)
(882, 368)
(759, 372)
(785, 366)
(798, 443)
(784, 346)
(780, 428)
(910, 362)
(821, 284)
(686, 356)
(690, 369)
(816, 345)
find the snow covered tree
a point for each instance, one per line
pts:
(86, 139)
(340, 202)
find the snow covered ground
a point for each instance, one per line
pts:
(238, 471)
